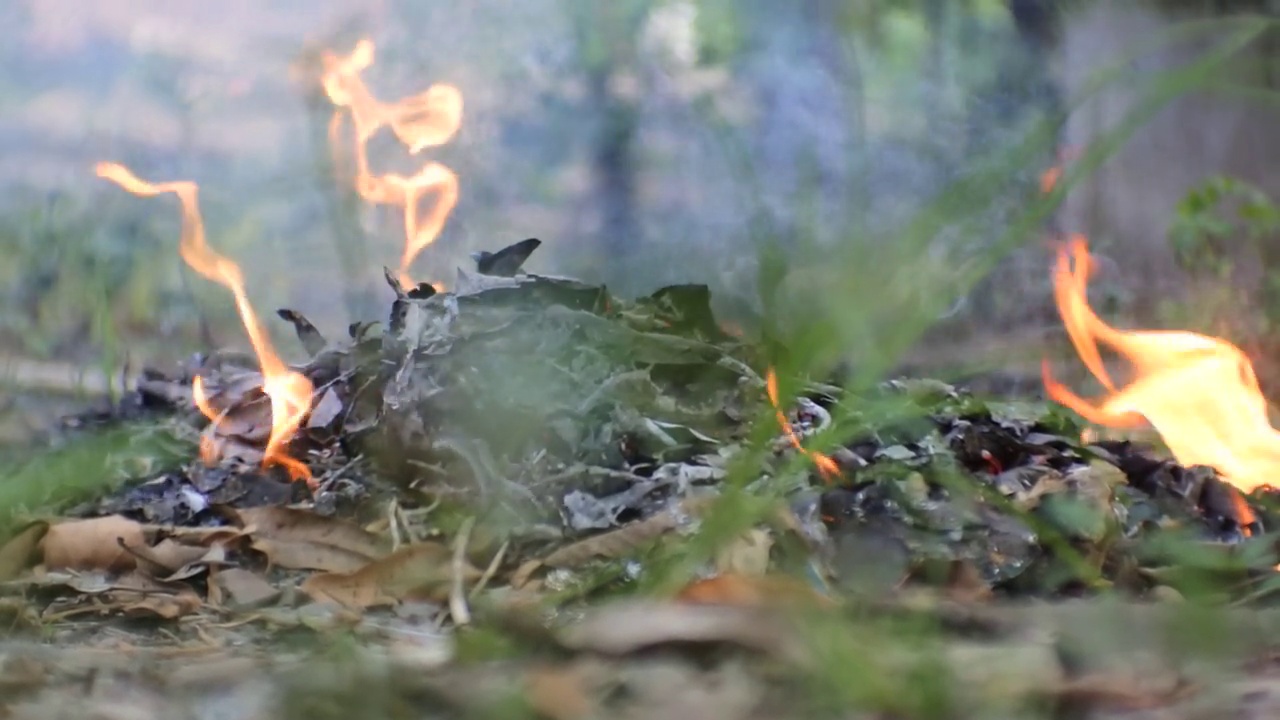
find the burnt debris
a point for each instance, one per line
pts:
(595, 424)
(507, 261)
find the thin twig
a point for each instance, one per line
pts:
(423, 511)
(492, 570)
(576, 471)
(333, 476)
(457, 596)
(403, 520)
(393, 524)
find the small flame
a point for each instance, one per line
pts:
(1050, 177)
(289, 392)
(1199, 393)
(208, 448)
(826, 466)
(428, 119)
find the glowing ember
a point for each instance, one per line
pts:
(826, 466)
(1199, 393)
(289, 392)
(428, 119)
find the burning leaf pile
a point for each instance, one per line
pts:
(574, 433)
(526, 441)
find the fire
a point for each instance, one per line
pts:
(826, 466)
(1199, 393)
(421, 121)
(288, 391)
(1050, 177)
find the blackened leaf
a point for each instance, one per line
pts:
(358, 329)
(686, 308)
(421, 292)
(507, 261)
(312, 341)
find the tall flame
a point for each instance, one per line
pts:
(289, 392)
(1199, 393)
(421, 121)
(826, 466)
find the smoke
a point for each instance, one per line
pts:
(644, 143)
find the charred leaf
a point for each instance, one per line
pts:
(312, 341)
(507, 261)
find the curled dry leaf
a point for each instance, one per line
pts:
(626, 539)
(132, 592)
(301, 540)
(615, 543)
(133, 581)
(19, 553)
(172, 560)
(250, 421)
(419, 571)
(93, 544)
(312, 341)
(167, 606)
(630, 626)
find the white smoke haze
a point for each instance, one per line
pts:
(644, 141)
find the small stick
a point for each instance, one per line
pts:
(490, 571)
(404, 523)
(457, 597)
(393, 524)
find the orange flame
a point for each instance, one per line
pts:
(428, 119)
(1050, 177)
(289, 392)
(1199, 393)
(826, 466)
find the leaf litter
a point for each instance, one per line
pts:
(494, 464)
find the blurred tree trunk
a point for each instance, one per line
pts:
(805, 88)
(1128, 205)
(613, 161)
(607, 37)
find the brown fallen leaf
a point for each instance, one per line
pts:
(629, 626)
(245, 588)
(747, 554)
(93, 544)
(612, 544)
(751, 591)
(558, 692)
(1108, 692)
(244, 411)
(301, 540)
(167, 606)
(626, 539)
(309, 556)
(965, 583)
(169, 556)
(20, 553)
(419, 571)
(133, 592)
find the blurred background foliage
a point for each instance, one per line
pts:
(858, 180)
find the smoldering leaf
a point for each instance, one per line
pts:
(312, 341)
